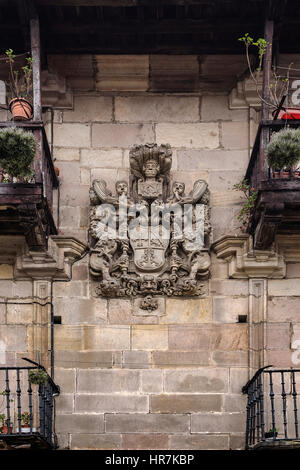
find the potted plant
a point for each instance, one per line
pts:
(17, 152)
(20, 85)
(38, 376)
(283, 151)
(247, 210)
(271, 433)
(25, 422)
(4, 424)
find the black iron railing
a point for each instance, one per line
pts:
(26, 408)
(272, 406)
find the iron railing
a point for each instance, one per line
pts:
(272, 407)
(19, 397)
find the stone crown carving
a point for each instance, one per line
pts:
(149, 255)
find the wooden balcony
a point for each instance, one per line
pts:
(27, 208)
(277, 208)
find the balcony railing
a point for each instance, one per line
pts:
(27, 208)
(272, 409)
(26, 409)
(258, 174)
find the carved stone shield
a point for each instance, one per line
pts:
(149, 254)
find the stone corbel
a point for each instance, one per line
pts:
(54, 264)
(244, 262)
(55, 91)
(245, 94)
(289, 247)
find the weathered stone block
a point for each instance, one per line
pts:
(119, 312)
(76, 310)
(69, 216)
(14, 337)
(230, 337)
(71, 289)
(122, 72)
(72, 198)
(237, 441)
(157, 109)
(199, 442)
(283, 287)
(66, 154)
(230, 358)
(278, 336)
(229, 287)
(95, 441)
(121, 135)
(145, 441)
(151, 381)
(226, 198)
(6, 271)
(6, 288)
(68, 337)
(218, 422)
(64, 403)
(222, 179)
(224, 220)
(188, 311)
(235, 135)
(149, 337)
(66, 378)
(184, 403)
(22, 289)
(104, 381)
(189, 338)
(85, 403)
(80, 423)
(84, 359)
(235, 403)
(90, 108)
(158, 423)
(216, 107)
(202, 380)
(69, 172)
(283, 309)
(198, 135)
(213, 160)
(180, 359)
(80, 272)
(228, 309)
(19, 314)
(107, 338)
(293, 270)
(136, 359)
(85, 176)
(238, 377)
(101, 158)
(72, 135)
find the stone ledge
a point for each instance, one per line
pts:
(244, 262)
(56, 263)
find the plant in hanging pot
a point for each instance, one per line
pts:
(20, 85)
(283, 151)
(38, 376)
(17, 153)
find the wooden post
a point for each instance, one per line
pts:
(267, 65)
(36, 67)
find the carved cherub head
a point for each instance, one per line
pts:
(178, 188)
(122, 188)
(151, 168)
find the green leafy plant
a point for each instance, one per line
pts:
(283, 151)
(279, 85)
(2, 420)
(17, 152)
(25, 418)
(248, 208)
(38, 376)
(20, 81)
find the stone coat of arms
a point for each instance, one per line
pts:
(149, 239)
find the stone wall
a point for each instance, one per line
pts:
(170, 381)
(173, 380)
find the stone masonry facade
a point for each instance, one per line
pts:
(173, 381)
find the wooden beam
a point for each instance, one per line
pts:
(36, 68)
(118, 3)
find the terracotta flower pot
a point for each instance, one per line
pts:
(296, 174)
(286, 174)
(276, 174)
(21, 109)
(5, 429)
